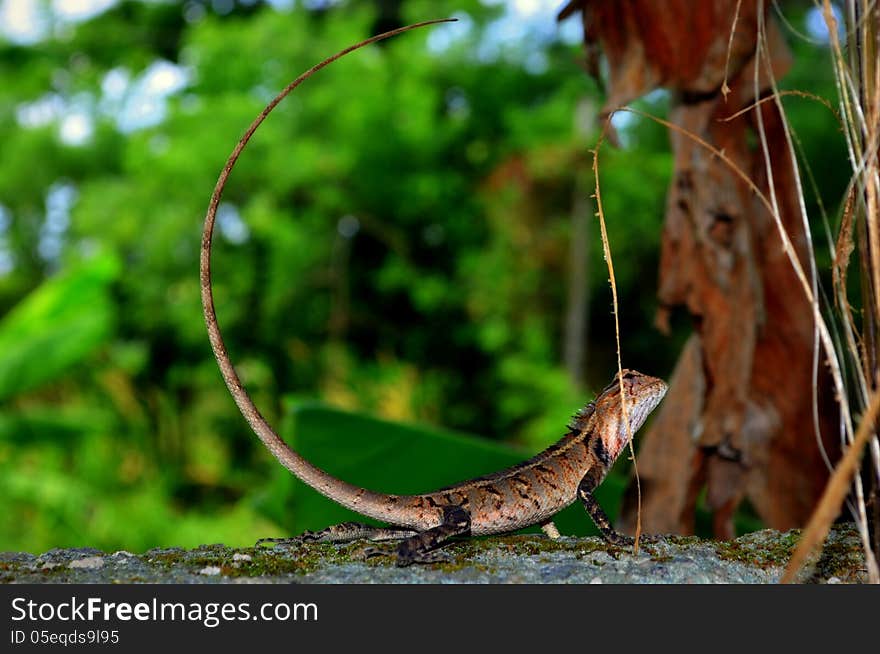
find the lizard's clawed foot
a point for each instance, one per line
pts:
(628, 542)
(619, 540)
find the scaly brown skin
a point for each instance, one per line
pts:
(526, 494)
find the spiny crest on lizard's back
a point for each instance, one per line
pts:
(580, 419)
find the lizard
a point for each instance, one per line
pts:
(526, 494)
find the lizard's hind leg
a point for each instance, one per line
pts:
(343, 533)
(418, 548)
(550, 529)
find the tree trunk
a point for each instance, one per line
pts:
(738, 419)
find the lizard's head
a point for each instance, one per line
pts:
(643, 394)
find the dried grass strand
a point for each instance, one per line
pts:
(606, 249)
(838, 486)
(762, 56)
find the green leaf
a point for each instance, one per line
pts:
(56, 326)
(41, 425)
(392, 458)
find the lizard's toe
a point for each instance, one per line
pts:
(620, 540)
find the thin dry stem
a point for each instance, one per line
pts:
(725, 89)
(606, 249)
(835, 492)
(761, 55)
(788, 247)
(781, 93)
(862, 141)
(791, 28)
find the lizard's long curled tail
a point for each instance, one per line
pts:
(363, 501)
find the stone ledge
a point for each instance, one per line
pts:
(755, 558)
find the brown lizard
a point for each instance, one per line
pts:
(527, 494)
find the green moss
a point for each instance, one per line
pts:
(842, 557)
(303, 560)
(18, 572)
(768, 552)
(462, 553)
(527, 545)
(457, 564)
(296, 559)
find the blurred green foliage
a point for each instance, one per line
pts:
(394, 242)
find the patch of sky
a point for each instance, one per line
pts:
(230, 224)
(7, 263)
(817, 27)
(521, 32)
(133, 103)
(26, 22)
(59, 201)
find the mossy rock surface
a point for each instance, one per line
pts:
(758, 557)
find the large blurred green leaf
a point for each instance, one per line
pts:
(41, 424)
(56, 326)
(393, 458)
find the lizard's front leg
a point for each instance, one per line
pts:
(418, 548)
(585, 492)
